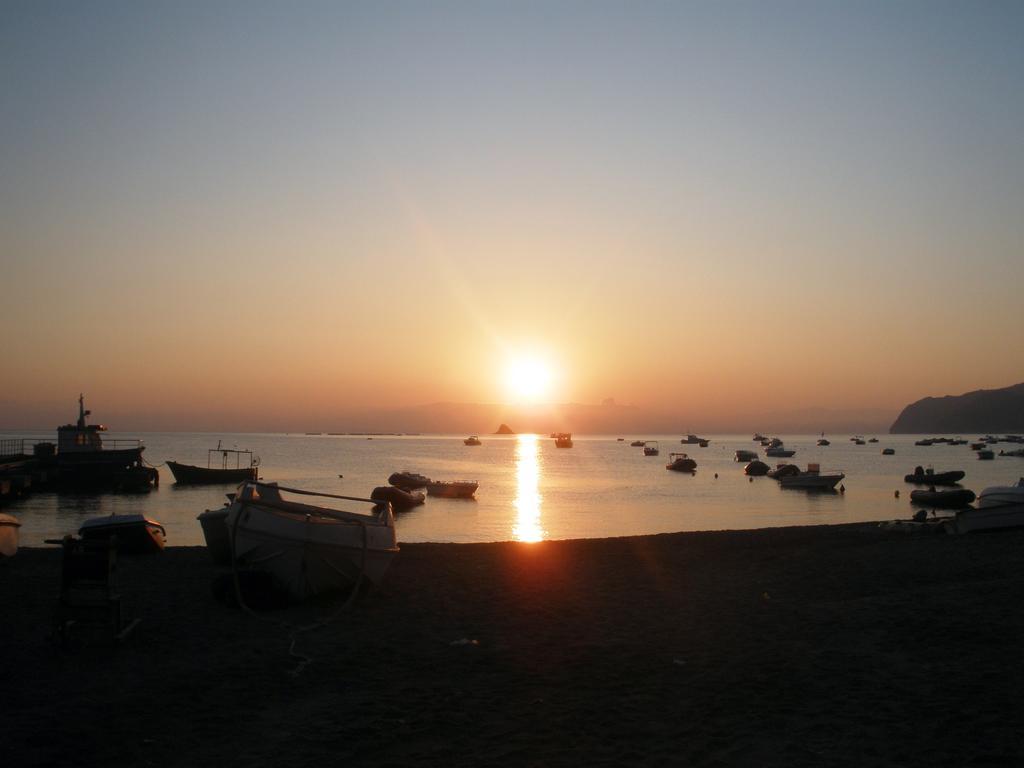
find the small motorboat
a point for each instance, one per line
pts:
(888, 451)
(9, 526)
(1019, 453)
(926, 441)
(953, 499)
(136, 534)
(563, 440)
(472, 440)
(703, 443)
(452, 489)
(978, 446)
(758, 437)
(756, 468)
(309, 549)
(680, 462)
(745, 456)
(693, 440)
(998, 507)
(986, 454)
(779, 451)
(408, 481)
(400, 500)
(637, 444)
(783, 470)
(813, 479)
(931, 477)
(245, 468)
(823, 441)
(873, 440)
(651, 448)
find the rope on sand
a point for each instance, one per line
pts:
(295, 631)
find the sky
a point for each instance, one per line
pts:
(276, 215)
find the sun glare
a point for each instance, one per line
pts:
(527, 379)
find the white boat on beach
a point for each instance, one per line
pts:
(309, 549)
(813, 479)
(1001, 506)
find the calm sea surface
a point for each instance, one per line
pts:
(531, 490)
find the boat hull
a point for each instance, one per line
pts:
(452, 490)
(408, 481)
(186, 474)
(306, 551)
(989, 518)
(935, 478)
(943, 499)
(811, 481)
(136, 535)
(214, 523)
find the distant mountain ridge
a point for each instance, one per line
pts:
(983, 411)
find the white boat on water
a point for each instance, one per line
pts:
(1001, 506)
(813, 479)
(309, 549)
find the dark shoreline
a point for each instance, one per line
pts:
(824, 645)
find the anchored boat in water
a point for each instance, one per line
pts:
(309, 549)
(245, 468)
(452, 489)
(83, 460)
(813, 479)
(680, 462)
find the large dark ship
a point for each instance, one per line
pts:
(84, 461)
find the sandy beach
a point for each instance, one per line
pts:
(841, 645)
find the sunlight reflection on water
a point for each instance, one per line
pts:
(527, 501)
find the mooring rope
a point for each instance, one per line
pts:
(295, 631)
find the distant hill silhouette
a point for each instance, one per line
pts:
(983, 411)
(504, 429)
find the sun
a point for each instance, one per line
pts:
(527, 379)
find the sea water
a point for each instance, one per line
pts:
(532, 490)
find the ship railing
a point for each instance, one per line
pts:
(25, 445)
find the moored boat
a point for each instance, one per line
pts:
(84, 460)
(651, 448)
(637, 444)
(986, 454)
(813, 479)
(136, 534)
(783, 470)
(888, 451)
(952, 499)
(408, 481)
(756, 468)
(779, 451)
(563, 440)
(680, 462)
(744, 456)
(931, 477)
(472, 440)
(246, 468)
(399, 499)
(310, 549)
(452, 489)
